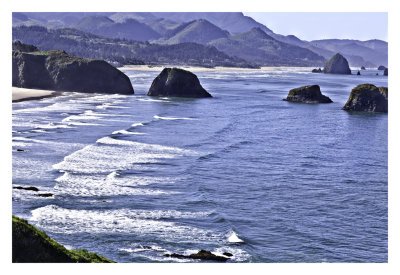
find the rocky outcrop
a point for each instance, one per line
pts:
(201, 255)
(368, 98)
(362, 68)
(317, 70)
(174, 82)
(381, 68)
(30, 245)
(307, 94)
(337, 64)
(385, 72)
(56, 70)
(358, 73)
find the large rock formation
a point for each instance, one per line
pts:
(56, 70)
(381, 68)
(174, 82)
(337, 64)
(368, 98)
(30, 245)
(307, 94)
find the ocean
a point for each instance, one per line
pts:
(135, 177)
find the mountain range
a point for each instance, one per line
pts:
(231, 33)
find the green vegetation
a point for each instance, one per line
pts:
(128, 29)
(18, 46)
(368, 98)
(122, 51)
(199, 31)
(258, 47)
(30, 245)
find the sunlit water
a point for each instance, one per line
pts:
(244, 172)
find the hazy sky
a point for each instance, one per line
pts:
(322, 25)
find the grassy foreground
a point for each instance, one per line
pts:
(30, 245)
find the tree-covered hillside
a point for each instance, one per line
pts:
(84, 44)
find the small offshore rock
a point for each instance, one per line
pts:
(307, 94)
(227, 254)
(317, 70)
(367, 98)
(174, 82)
(201, 255)
(30, 188)
(362, 68)
(358, 73)
(20, 150)
(45, 195)
(337, 64)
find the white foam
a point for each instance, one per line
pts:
(137, 124)
(173, 118)
(149, 223)
(233, 238)
(239, 255)
(50, 125)
(99, 185)
(125, 132)
(151, 100)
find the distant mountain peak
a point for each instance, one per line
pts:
(254, 33)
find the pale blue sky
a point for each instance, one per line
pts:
(322, 25)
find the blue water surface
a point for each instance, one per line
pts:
(137, 177)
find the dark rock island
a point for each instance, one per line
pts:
(317, 70)
(174, 82)
(368, 98)
(30, 245)
(58, 71)
(337, 64)
(204, 255)
(385, 72)
(307, 94)
(381, 68)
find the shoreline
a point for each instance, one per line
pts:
(24, 94)
(204, 69)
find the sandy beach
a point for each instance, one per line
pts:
(22, 94)
(203, 69)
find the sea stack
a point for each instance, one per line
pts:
(174, 82)
(381, 68)
(368, 98)
(337, 64)
(56, 70)
(307, 94)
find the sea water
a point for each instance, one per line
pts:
(136, 177)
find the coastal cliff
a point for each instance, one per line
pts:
(56, 70)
